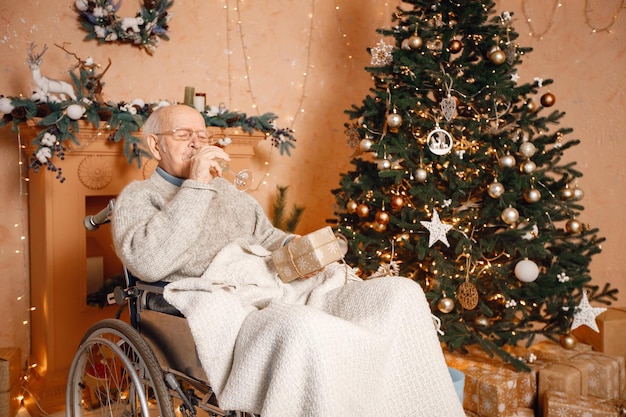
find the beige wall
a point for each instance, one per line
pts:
(259, 55)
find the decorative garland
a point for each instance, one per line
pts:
(99, 18)
(58, 120)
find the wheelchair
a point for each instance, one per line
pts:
(147, 368)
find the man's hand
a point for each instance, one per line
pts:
(206, 163)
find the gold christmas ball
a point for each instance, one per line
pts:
(573, 226)
(496, 55)
(365, 145)
(362, 210)
(384, 164)
(510, 215)
(528, 167)
(568, 341)
(567, 193)
(507, 161)
(531, 106)
(421, 175)
(532, 195)
(495, 190)
(415, 42)
(397, 202)
(382, 217)
(548, 100)
(394, 120)
(379, 227)
(481, 321)
(351, 206)
(455, 46)
(445, 305)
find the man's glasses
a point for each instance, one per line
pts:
(184, 134)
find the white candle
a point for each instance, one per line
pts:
(199, 101)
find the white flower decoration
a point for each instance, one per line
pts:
(510, 303)
(562, 277)
(43, 154)
(48, 139)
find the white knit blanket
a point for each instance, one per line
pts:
(331, 345)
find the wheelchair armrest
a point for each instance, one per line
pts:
(153, 298)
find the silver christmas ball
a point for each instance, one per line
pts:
(532, 196)
(510, 215)
(421, 175)
(578, 193)
(526, 270)
(445, 305)
(507, 161)
(528, 167)
(527, 149)
(495, 190)
(365, 145)
(384, 164)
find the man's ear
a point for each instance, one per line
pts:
(153, 145)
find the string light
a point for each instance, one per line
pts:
(533, 32)
(589, 9)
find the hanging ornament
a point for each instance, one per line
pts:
(75, 111)
(467, 294)
(526, 270)
(578, 193)
(415, 42)
(397, 202)
(510, 215)
(528, 167)
(495, 189)
(381, 54)
(421, 175)
(567, 341)
(481, 321)
(455, 46)
(384, 164)
(445, 305)
(439, 141)
(382, 217)
(362, 210)
(366, 145)
(437, 230)
(527, 149)
(532, 195)
(507, 161)
(531, 106)
(394, 121)
(351, 206)
(585, 315)
(573, 226)
(531, 234)
(342, 241)
(448, 107)
(567, 193)
(379, 227)
(548, 100)
(496, 55)
(5, 105)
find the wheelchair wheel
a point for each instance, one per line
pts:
(115, 374)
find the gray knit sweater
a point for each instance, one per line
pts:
(162, 231)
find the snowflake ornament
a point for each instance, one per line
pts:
(437, 230)
(586, 315)
(392, 269)
(381, 54)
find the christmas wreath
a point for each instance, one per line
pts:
(99, 18)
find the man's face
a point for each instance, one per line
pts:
(174, 155)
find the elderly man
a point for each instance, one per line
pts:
(328, 345)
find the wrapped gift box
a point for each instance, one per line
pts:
(551, 351)
(610, 323)
(490, 390)
(307, 254)
(10, 367)
(606, 374)
(568, 376)
(558, 404)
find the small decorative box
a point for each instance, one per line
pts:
(307, 254)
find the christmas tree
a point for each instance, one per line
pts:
(459, 182)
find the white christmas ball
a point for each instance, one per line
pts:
(384, 164)
(421, 175)
(5, 105)
(75, 111)
(138, 102)
(578, 193)
(366, 145)
(526, 270)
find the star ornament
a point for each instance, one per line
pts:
(437, 230)
(586, 315)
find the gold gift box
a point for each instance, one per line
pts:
(557, 404)
(610, 323)
(307, 254)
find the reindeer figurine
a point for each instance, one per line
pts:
(47, 87)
